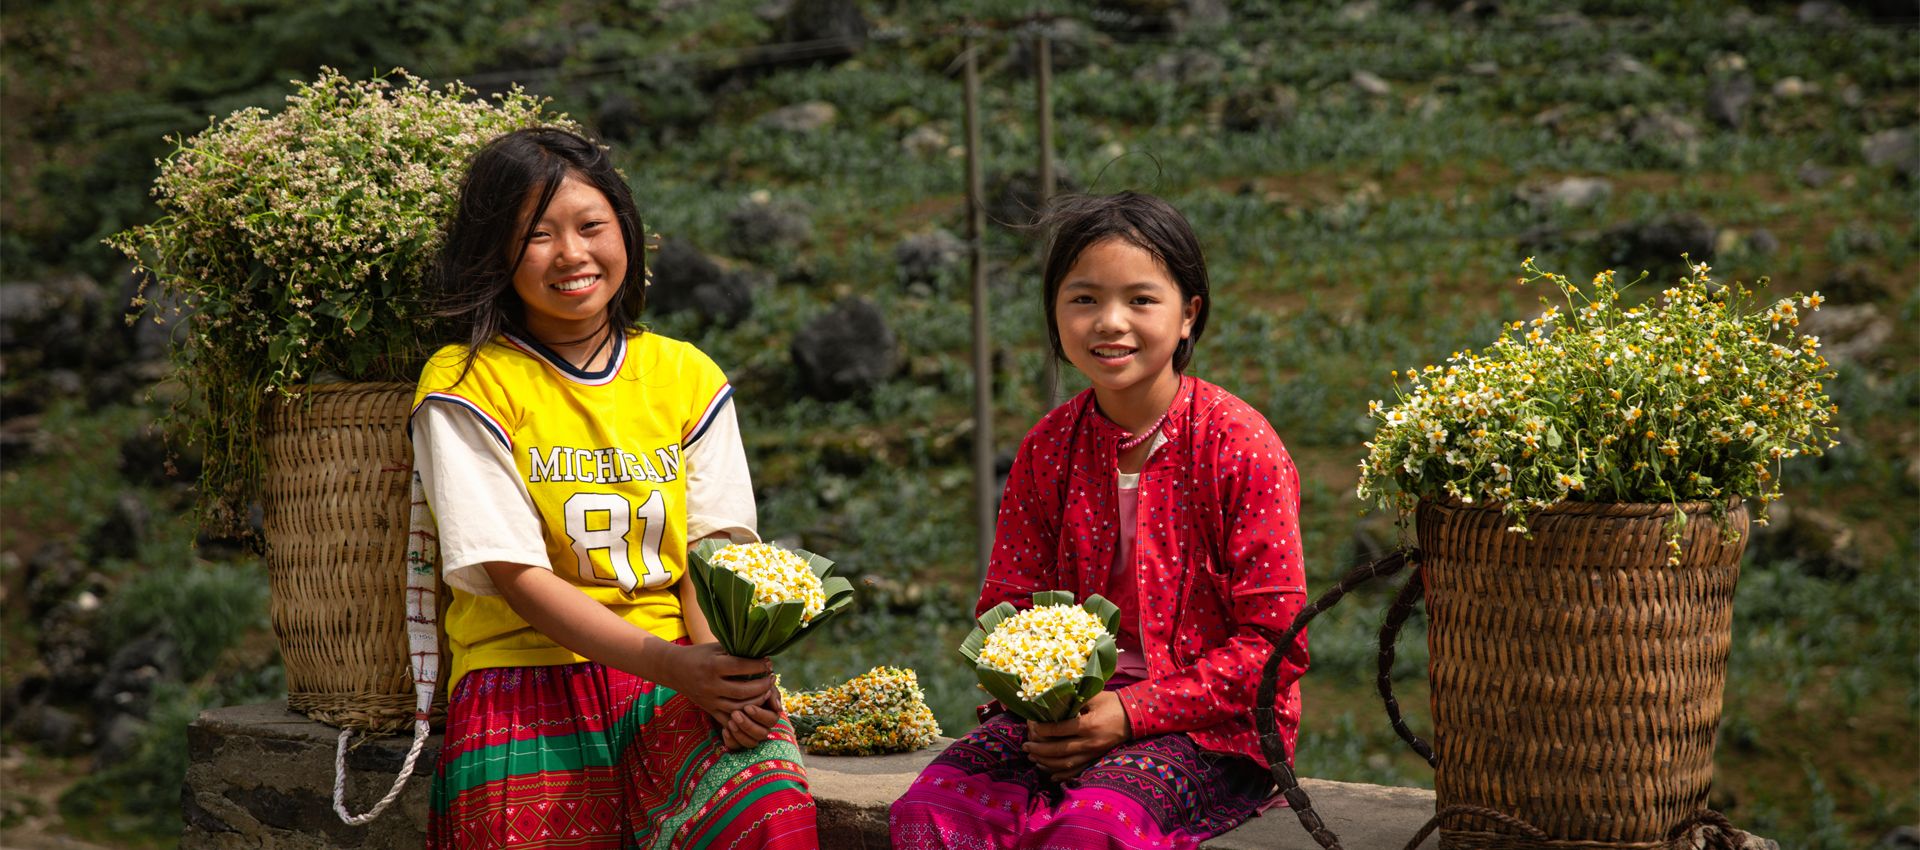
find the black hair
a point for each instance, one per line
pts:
(1075, 223)
(473, 276)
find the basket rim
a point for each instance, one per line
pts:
(355, 386)
(1572, 508)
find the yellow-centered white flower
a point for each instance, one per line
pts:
(1044, 646)
(777, 575)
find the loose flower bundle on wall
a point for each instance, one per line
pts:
(880, 711)
(296, 244)
(1694, 398)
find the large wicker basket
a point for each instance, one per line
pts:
(336, 500)
(1576, 676)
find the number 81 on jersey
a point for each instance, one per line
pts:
(600, 523)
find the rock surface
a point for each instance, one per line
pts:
(1899, 149)
(929, 261)
(1819, 541)
(801, 117)
(686, 279)
(827, 30)
(1371, 84)
(1572, 193)
(1013, 198)
(846, 351)
(762, 227)
(1849, 333)
(1657, 243)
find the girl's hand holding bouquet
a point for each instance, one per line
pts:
(736, 692)
(1050, 664)
(1062, 750)
(760, 599)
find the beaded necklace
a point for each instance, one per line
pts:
(1132, 442)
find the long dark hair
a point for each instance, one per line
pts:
(1075, 223)
(473, 276)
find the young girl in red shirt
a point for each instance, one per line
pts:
(1175, 500)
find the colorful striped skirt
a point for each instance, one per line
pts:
(586, 756)
(1157, 792)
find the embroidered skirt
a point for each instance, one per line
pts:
(583, 756)
(1157, 792)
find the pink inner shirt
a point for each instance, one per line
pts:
(1122, 589)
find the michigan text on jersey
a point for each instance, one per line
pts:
(608, 465)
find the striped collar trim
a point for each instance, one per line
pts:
(487, 421)
(570, 371)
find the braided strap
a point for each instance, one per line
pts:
(423, 647)
(1410, 594)
(1266, 719)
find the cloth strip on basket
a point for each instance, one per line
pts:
(423, 649)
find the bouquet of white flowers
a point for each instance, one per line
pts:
(1044, 663)
(759, 598)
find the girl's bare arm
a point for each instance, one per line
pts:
(573, 620)
(690, 611)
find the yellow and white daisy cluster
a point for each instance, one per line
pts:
(777, 575)
(880, 711)
(1691, 396)
(1044, 646)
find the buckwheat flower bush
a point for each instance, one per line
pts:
(1044, 663)
(1695, 396)
(294, 243)
(760, 598)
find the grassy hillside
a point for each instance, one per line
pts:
(1353, 224)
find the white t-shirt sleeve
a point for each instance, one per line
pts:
(481, 508)
(719, 487)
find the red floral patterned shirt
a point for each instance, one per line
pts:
(1218, 566)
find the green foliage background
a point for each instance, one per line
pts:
(1356, 235)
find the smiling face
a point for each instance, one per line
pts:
(575, 261)
(1120, 318)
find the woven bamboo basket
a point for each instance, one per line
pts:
(1576, 676)
(336, 504)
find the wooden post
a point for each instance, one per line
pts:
(1043, 83)
(1043, 97)
(983, 478)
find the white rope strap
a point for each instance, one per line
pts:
(420, 732)
(423, 647)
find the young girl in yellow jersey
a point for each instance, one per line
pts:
(569, 459)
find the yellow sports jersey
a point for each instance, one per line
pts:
(599, 453)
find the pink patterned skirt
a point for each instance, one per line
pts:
(1161, 792)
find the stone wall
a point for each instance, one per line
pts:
(262, 778)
